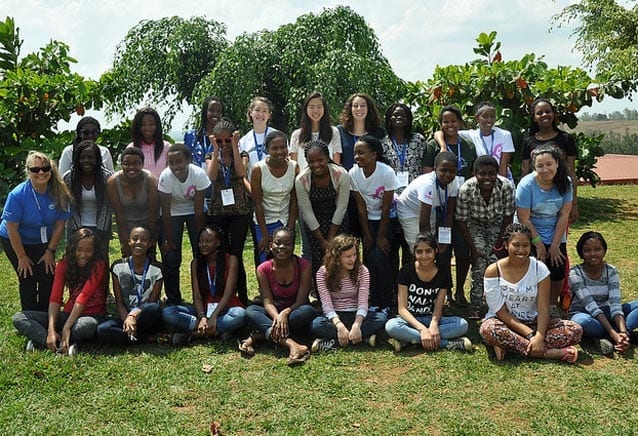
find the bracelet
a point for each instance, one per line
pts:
(531, 335)
(201, 315)
(536, 239)
(52, 250)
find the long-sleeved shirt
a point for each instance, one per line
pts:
(91, 294)
(593, 295)
(349, 298)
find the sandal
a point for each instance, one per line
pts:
(247, 351)
(570, 354)
(297, 359)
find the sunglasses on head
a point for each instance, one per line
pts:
(36, 170)
(87, 132)
(224, 141)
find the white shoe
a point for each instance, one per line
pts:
(30, 347)
(73, 350)
(462, 343)
(372, 341)
(396, 344)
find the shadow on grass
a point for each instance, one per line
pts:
(600, 210)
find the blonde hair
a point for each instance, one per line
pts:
(59, 191)
(332, 261)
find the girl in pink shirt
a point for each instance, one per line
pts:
(148, 136)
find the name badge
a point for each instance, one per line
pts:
(402, 178)
(43, 235)
(210, 309)
(228, 198)
(445, 235)
(460, 180)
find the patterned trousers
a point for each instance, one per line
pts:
(560, 334)
(484, 237)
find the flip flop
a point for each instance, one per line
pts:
(246, 350)
(570, 354)
(298, 359)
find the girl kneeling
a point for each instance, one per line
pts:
(517, 290)
(422, 289)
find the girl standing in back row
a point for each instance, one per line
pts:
(149, 137)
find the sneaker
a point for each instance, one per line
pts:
(181, 339)
(597, 346)
(30, 347)
(323, 345)
(462, 343)
(396, 344)
(73, 350)
(372, 341)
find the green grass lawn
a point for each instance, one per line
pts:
(158, 389)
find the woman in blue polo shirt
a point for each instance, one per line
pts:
(32, 226)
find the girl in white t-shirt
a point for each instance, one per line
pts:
(517, 294)
(252, 145)
(373, 182)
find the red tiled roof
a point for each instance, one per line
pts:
(617, 169)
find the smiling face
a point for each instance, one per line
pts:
(260, 114)
(399, 119)
(41, 177)
(450, 123)
(544, 115)
(208, 242)
(132, 166)
(224, 140)
(139, 241)
(148, 128)
(178, 163)
(88, 159)
(317, 162)
(445, 172)
(363, 156)
(282, 245)
(424, 254)
(486, 120)
(348, 258)
(593, 252)
(519, 246)
(84, 251)
(277, 150)
(546, 167)
(315, 110)
(214, 113)
(486, 177)
(359, 109)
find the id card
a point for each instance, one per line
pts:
(228, 198)
(43, 235)
(459, 180)
(402, 178)
(445, 235)
(210, 308)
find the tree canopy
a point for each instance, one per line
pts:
(607, 36)
(160, 62)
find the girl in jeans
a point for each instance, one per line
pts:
(82, 271)
(343, 284)
(216, 310)
(596, 306)
(284, 283)
(422, 289)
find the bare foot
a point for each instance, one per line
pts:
(567, 354)
(499, 352)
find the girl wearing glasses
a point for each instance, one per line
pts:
(32, 226)
(229, 208)
(88, 129)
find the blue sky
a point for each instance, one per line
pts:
(415, 36)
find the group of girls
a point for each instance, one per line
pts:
(403, 194)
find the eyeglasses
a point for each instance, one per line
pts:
(86, 132)
(224, 141)
(36, 170)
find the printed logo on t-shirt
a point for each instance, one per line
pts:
(378, 193)
(190, 192)
(421, 300)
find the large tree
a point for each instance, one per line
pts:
(36, 92)
(607, 35)
(160, 62)
(335, 52)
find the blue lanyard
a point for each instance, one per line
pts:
(225, 169)
(258, 146)
(212, 286)
(207, 146)
(37, 203)
(400, 154)
(485, 145)
(443, 204)
(139, 287)
(459, 164)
